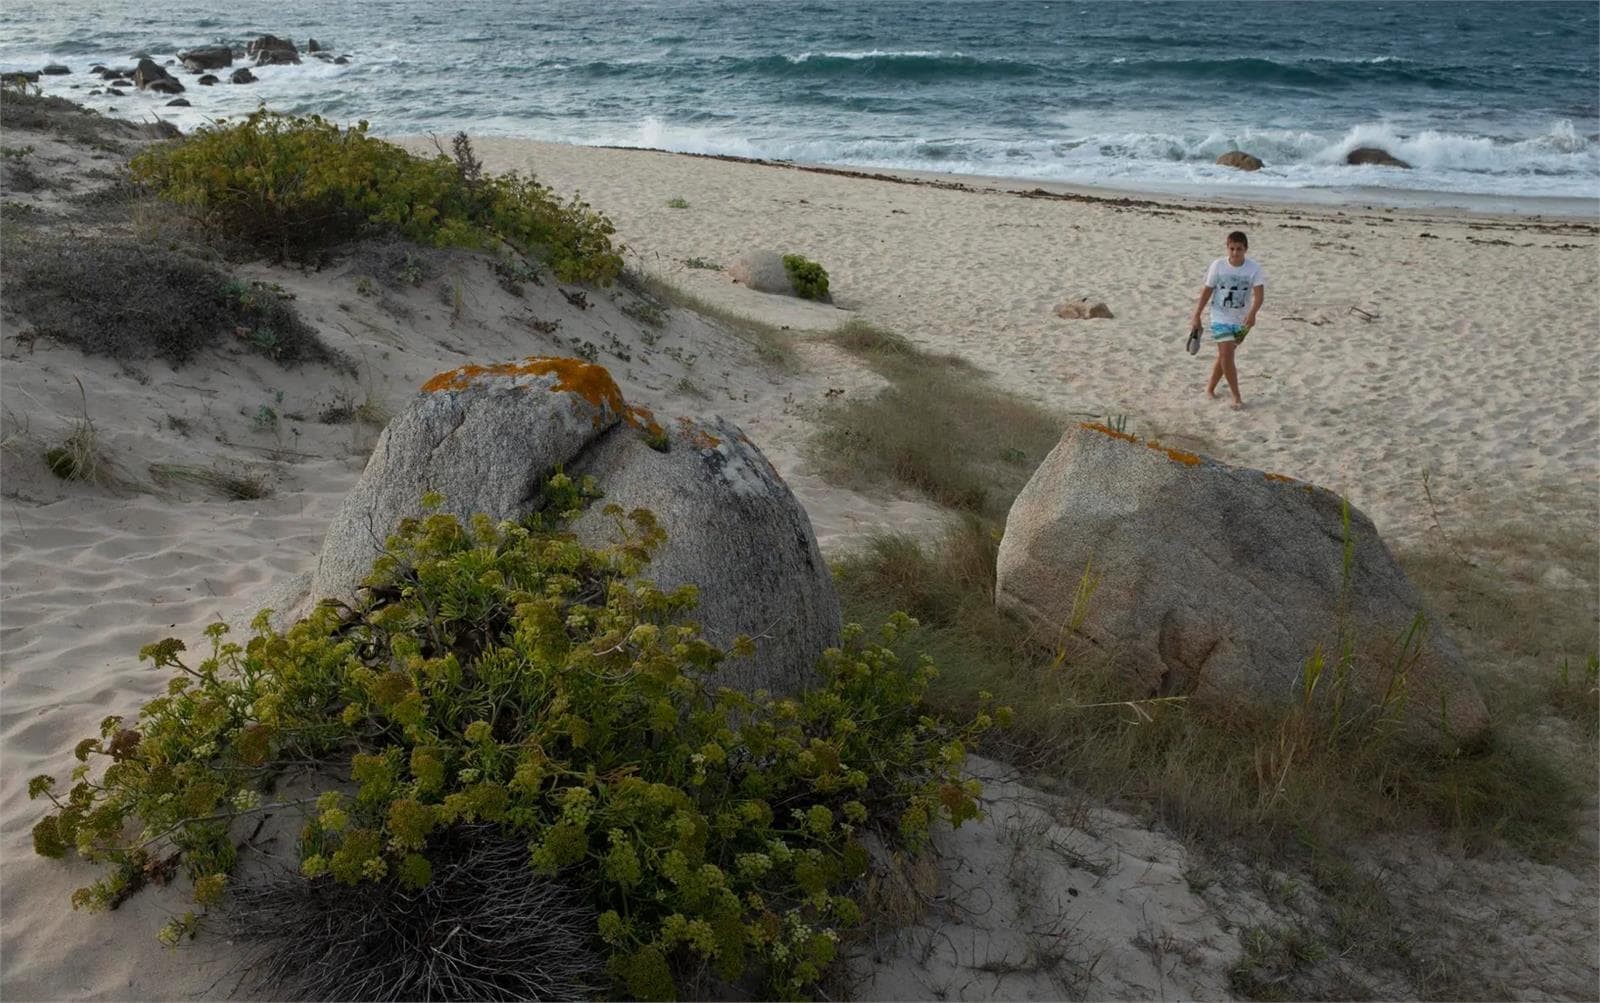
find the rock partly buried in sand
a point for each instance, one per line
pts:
(1240, 159)
(764, 272)
(489, 437)
(242, 76)
(1373, 155)
(1222, 582)
(268, 50)
(209, 57)
(1082, 309)
(149, 73)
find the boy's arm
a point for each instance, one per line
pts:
(1258, 296)
(1205, 297)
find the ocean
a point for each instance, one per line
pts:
(1482, 99)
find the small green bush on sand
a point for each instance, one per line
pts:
(506, 676)
(809, 279)
(298, 185)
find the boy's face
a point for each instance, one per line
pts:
(1235, 253)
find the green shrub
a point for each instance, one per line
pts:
(809, 279)
(298, 185)
(508, 676)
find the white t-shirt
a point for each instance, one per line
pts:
(1231, 295)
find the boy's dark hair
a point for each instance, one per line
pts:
(1238, 235)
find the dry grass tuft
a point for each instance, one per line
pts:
(485, 928)
(940, 428)
(79, 457)
(243, 485)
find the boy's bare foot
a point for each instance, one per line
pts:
(1238, 405)
(1211, 394)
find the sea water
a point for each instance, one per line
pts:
(1482, 99)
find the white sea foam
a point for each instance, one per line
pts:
(875, 54)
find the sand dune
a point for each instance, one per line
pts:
(1472, 358)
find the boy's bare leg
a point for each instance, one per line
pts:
(1216, 375)
(1225, 352)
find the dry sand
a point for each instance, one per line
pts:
(1474, 361)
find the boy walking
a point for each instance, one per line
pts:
(1235, 288)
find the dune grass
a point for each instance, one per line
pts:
(231, 485)
(1214, 772)
(771, 344)
(941, 428)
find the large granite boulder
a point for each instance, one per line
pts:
(762, 271)
(489, 437)
(1241, 160)
(1372, 155)
(1222, 582)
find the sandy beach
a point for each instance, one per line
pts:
(1392, 342)
(1436, 367)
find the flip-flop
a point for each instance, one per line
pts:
(1193, 347)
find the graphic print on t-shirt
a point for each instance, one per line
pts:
(1234, 291)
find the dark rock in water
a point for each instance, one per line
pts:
(148, 72)
(1373, 155)
(1240, 159)
(342, 61)
(178, 103)
(113, 90)
(207, 80)
(56, 70)
(118, 82)
(98, 70)
(242, 76)
(271, 50)
(168, 86)
(95, 92)
(210, 57)
(312, 46)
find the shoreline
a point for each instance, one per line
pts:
(1441, 203)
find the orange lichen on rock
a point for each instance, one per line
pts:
(697, 436)
(573, 376)
(1095, 426)
(1282, 478)
(1175, 455)
(642, 418)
